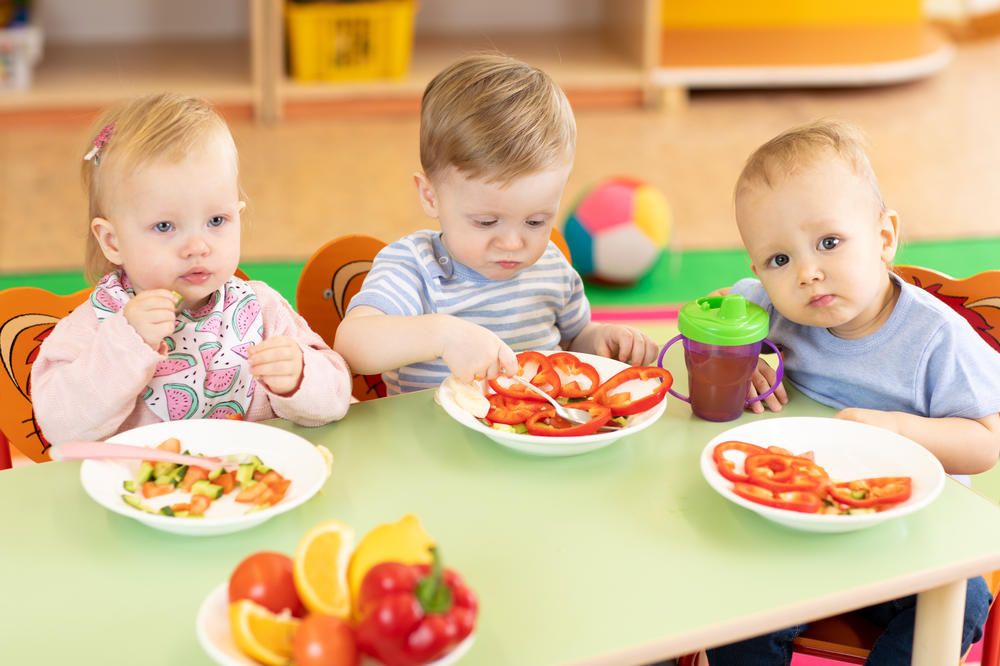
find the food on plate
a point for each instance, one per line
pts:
(404, 541)
(778, 478)
(320, 568)
(510, 406)
(413, 614)
(325, 640)
(256, 484)
(261, 634)
(413, 611)
(267, 578)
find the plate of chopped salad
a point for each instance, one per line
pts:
(621, 399)
(271, 471)
(821, 474)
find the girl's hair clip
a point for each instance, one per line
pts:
(99, 142)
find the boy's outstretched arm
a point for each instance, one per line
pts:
(624, 343)
(372, 342)
(964, 446)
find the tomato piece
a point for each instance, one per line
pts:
(545, 377)
(199, 504)
(272, 477)
(571, 370)
(726, 466)
(227, 481)
(173, 445)
(193, 474)
(505, 409)
(801, 501)
(153, 489)
(325, 640)
(547, 422)
(884, 491)
(622, 403)
(250, 492)
(266, 578)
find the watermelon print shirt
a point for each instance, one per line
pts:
(205, 373)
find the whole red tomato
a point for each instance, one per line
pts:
(266, 578)
(324, 640)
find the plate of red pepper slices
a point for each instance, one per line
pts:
(641, 409)
(846, 450)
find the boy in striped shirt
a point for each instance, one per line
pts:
(497, 140)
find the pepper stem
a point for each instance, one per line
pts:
(432, 592)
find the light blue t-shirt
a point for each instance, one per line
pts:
(538, 308)
(925, 360)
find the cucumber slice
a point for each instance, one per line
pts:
(207, 488)
(129, 486)
(136, 503)
(145, 473)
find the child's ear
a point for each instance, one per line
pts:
(889, 234)
(106, 237)
(426, 194)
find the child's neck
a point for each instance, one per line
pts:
(854, 330)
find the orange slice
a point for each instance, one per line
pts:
(320, 568)
(260, 634)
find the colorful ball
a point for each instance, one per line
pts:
(617, 230)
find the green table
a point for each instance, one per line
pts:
(619, 556)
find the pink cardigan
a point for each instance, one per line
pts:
(87, 379)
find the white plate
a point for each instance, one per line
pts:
(216, 638)
(846, 450)
(557, 446)
(290, 455)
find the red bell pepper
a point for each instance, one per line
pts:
(799, 500)
(504, 409)
(785, 473)
(879, 493)
(571, 369)
(545, 377)
(413, 614)
(727, 467)
(622, 403)
(547, 422)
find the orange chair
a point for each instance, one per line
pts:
(27, 316)
(848, 637)
(330, 279)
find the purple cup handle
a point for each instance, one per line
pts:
(779, 373)
(659, 362)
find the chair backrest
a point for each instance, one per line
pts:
(976, 298)
(27, 316)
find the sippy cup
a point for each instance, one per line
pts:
(722, 338)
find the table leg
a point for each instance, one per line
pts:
(937, 630)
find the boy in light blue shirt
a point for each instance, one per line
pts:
(853, 336)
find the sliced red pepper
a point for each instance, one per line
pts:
(727, 467)
(781, 473)
(622, 403)
(571, 370)
(546, 422)
(545, 377)
(797, 500)
(512, 411)
(873, 492)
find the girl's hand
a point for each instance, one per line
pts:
(152, 314)
(277, 364)
(625, 343)
(763, 379)
(472, 352)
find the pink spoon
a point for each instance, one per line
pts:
(86, 450)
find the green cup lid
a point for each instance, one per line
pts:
(723, 320)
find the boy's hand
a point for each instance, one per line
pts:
(875, 417)
(277, 364)
(152, 314)
(763, 379)
(625, 343)
(472, 352)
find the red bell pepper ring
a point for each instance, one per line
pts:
(545, 377)
(878, 492)
(622, 403)
(785, 473)
(727, 467)
(798, 500)
(571, 370)
(413, 614)
(547, 422)
(512, 411)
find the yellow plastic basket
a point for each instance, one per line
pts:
(331, 41)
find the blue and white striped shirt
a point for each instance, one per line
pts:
(538, 308)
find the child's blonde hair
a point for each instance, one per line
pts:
(802, 146)
(127, 136)
(492, 116)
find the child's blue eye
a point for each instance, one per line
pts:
(217, 221)
(163, 227)
(829, 243)
(779, 260)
